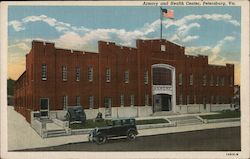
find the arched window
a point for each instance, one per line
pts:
(162, 76)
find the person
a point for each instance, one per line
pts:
(99, 117)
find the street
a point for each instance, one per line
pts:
(223, 139)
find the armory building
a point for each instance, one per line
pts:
(121, 81)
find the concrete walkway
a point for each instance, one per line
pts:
(174, 116)
(22, 136)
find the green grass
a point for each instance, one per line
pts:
(151, 121)
(92, 124)
(223, 114)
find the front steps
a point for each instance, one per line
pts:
(164, 113)
(56, 133)
(187, 120)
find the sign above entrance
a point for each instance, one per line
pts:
(162, 89)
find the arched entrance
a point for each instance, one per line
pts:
(163, 87)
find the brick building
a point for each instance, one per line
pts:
(122, 81)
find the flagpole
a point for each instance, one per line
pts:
(161, 22)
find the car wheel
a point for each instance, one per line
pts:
(101, 139)
(131, 135)
(89, 137)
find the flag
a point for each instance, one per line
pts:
(168, 13)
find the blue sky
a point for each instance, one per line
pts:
(212, 31)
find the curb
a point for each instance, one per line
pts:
(161, 125)
(222, 120)
(152, 126)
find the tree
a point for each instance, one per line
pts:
(10, 86)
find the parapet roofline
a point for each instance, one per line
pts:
(162, 40)
(59, 48)
(44, 42)
(115, 44)
(108, 43)
(226, 65)
(21, 76)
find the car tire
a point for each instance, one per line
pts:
(101, 139)
(89, 138)
(131, 135)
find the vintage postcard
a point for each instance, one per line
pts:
(125, 79)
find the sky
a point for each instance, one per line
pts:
(212, 31)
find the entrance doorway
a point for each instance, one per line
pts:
(44, 107)
(162, 102)
(163, 88)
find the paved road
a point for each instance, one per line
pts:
(224, 139)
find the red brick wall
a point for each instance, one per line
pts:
(30, 87)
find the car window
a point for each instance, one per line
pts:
(132, 121)
(117, 122)
(126, 122)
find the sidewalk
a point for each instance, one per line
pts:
(22, 136)
(173, 116)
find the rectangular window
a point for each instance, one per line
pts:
(146, 77)
(180, 78)
(217, 80)
(122, 100)
(64, 73)
(217, 99)
(204, 104)
(204, 101)
(231, 81)
(222, 81)
(191, 79)
(188, 99)
(108, 102)
(91, 102)
(44, 72)
(126, 76)
(211, 80)
(212, 99)
(132, 100)
(180, 100)
(222, 99)
(77, 73)
(146, 100)
(163, 47)
(78, 100)
(204, 80)
(90, 74)
(65, 102)
(108, 75)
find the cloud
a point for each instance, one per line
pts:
(59, 26)
(184, 29)
(194, 50)
(217, 48)
(17, 25)
(184, 25)
(190, 38)
(215, 17)
(72, 37)
(212, 51)
(182, 33)
(21, 45)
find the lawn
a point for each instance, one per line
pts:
(93, 124)
(223, 114)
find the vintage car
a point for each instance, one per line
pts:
(117, 128)
(76, 114)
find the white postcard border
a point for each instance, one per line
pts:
(245, 139)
